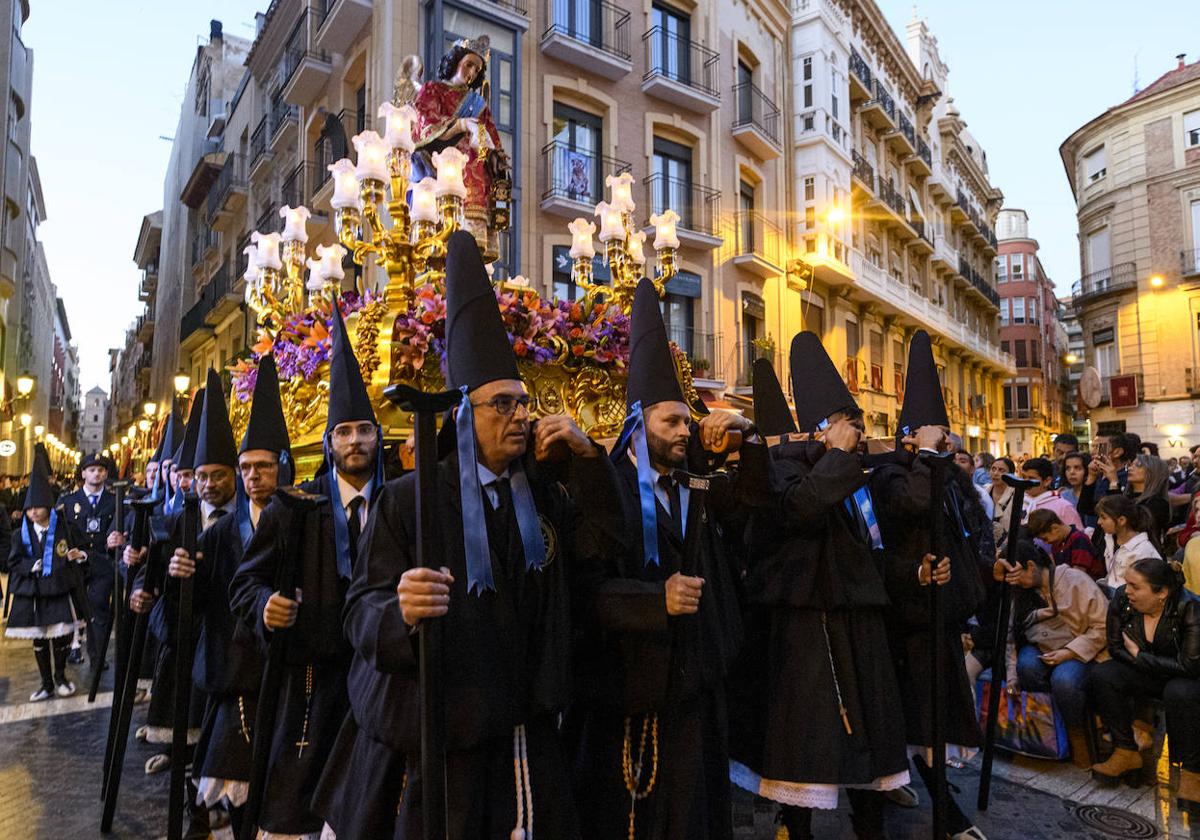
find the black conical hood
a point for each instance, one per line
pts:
(173, 433)
(214, 443)
(924, 404)
(818, 388)
(771, 413)
(652, 375)
(477, 347)
(266, 428)
(185, 456)
(40, 454)
(348, 400)
(40, 492)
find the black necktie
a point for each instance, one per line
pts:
(499, 531)
(354, 525)
(676, 506)
(215, 515)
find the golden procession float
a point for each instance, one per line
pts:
(437, 168)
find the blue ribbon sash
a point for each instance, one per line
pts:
(866, 508)
(634, 431)
(48, 544)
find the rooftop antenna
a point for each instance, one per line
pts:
(1136, 86)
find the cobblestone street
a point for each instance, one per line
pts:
(52, 753)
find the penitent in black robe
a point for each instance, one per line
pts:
(228, 669)
(636, 663)
(901, 490)
(312, 698)
(815, 609)
(506, 664)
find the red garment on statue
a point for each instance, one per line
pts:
(437, 107)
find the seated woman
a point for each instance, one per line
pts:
(1058, 628)
(1075, 473)
(1125, 524)
(1154, 640)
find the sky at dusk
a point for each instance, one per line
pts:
(108, 83)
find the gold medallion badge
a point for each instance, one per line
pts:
(549, 539)
(60, 548)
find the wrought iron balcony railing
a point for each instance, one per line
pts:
(681, 60)
(697, 206)
(576, 174)
(754, 108)
(597, 23)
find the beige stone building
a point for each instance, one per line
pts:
(1135, 173)
(749, 119)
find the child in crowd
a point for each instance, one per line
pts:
(1125, 524)
(1068, 544)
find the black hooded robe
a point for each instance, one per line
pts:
(314, 682)
(637, 662)
(901, 489)
(507, 663)
(815, 609)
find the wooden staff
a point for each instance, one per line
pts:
(303, 508)
(122, 709)
(118, 611)
(1000, 647)
(184, 654)
(425, 408)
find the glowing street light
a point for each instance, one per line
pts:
(1157, 281)
(25, 383)
(182, 382)
(150, 408)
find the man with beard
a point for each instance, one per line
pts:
(901, 488)
(501, 596)
(312, 698)
(660, 624)
(816, 706)
(228, 667)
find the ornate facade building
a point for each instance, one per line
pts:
(823, 176)
(1135, 174)
(1036, 405)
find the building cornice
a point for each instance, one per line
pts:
(880, 39)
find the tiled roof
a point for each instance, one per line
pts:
(1181, 75)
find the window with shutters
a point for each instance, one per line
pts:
(1095, 165)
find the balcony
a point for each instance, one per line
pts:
(903, 141)
(976, 281)
(988, 244)
(758, 244)
(862, 172)
(1119, 278)
(944, 256)
(260, 154)
(204, 173)
(681, 71)
(703, 351)
(940, 188)
(330, 147)
(920, 163)
(305, 73)
(854, 374)
(861, 83)
(149, 285)
(298, 185)
(697, 207)
(1189, 263)
(574, 179)
(145, 327)
(745, 353)
(756, 122)
(338, 22)
(592, 34)
(284, 120)
(204, 243)
(894, 208)
(216, 300)
(923, 242)
(964, 214)
(228, 194)
(880, 110)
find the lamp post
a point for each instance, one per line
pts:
(26, 382)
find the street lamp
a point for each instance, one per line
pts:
(38, 430)
(1071, 358)
(25, 420)
(144, 424)
(25, 383)
(1157, 281)
(182, 382)
(150, 408)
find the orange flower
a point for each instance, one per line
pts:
(264, 346)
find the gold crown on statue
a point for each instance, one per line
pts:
(481, 46)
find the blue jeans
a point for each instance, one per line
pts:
(1066, 682)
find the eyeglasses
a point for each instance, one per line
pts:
(344, 431)
(250, 467)
(505, 404)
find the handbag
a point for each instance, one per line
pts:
(1030, 723)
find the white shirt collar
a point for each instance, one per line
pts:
(206, 510)
(255, 513)
(348, 493)
(486, 476)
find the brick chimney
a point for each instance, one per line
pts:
(1181, 58)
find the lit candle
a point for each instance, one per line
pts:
(611, 225)
(581, 242)
(637, 252)
(450, 163)
(622, 191)
(372, 156)
(331, 257)
(398, 134)
(345, 185)
(664, 229)
(294, 223)
(424, 201)
(268, 249)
